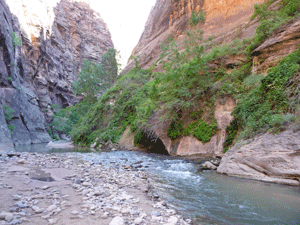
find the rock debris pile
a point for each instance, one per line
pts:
(64, 189)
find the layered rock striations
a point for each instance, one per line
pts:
(224, 21)
(43, 44)
(267, 157)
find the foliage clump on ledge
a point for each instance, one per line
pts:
(266, 103)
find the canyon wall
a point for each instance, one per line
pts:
(43, 44)
(224, 21)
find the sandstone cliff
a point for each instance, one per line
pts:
(225, 20)
(268, 157)
(55, 37)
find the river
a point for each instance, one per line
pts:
(205, 197)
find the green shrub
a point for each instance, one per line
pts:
(16, 40)
(175, 130)
(271, 20)
(266, 107)
(231, 132)
(8, 115)
(203, 132)
(96, 77)
(197, 17)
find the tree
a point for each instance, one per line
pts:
(96, 77)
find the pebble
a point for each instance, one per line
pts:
(37, 209)
(21, 161)
(86, 184)
(103, 191)
(138, 220)
(15, 222)
(51, 208)
(6, 216)
(117, 221)
(74, 212)
(52, 221)
(172, 220)
(16, 197)
(21, 205)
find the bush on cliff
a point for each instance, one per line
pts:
(268, 106)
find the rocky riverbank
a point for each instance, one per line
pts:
(64, 189)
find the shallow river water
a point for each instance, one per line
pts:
(205, 197)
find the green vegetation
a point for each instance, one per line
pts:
(175, 130)
(231, 132)
(122, 105)
(267, 106)
(96, 77)
(188, 87)
(92, 79)
(196, 18)
(16, 40)
(272, 20)
(8, 115)
(201, 130)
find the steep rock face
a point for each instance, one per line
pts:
(15, 93)
(6, 143)
(272, 158)
(281, 43)
(192, 146)
(225, 20)
(55, 37)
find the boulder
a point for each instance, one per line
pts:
(267, 157)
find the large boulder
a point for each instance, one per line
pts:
(268, 157)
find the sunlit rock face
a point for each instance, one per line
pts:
(224, 20)
(54, 37)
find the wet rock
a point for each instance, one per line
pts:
(208, 166)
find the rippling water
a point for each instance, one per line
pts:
(209, 198)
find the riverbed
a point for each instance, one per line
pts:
(204, 197)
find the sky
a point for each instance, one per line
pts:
(126, 20)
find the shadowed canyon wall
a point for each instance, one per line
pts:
(43, 44)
